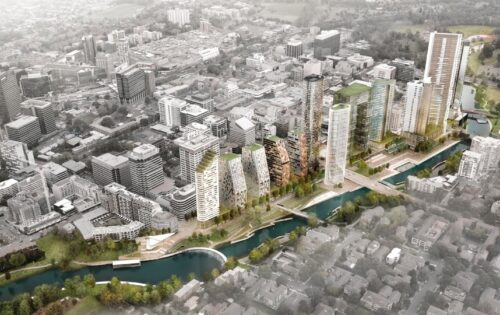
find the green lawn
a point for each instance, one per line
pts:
(493, 93)
(88, 305)
(294, 203)
(469, 30)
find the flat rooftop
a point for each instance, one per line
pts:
(21, 122)
(112, 160)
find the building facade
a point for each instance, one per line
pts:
(469, 165)
(193, 145)
(109, 168)
(232, 184)
(278, 160)
(326, 43)
(170, 110)
(337, 144)
(207, 187)
(442, 66)
(131, 84)
(380, 106)
(146, 169)
(256, 169)
(44, 111)
(10, 96)
(312, 109)
(24, 129)
(16, 155)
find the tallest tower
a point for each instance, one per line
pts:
(312, 105)
(441, 68)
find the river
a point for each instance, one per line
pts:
(198, 262)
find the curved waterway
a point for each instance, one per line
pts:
(200, 262)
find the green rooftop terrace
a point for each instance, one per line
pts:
(229, 156)
(206, 161)
(353, 89)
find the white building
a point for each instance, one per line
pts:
(394, 256)
(232, 184)
(207, 187)
(255, 166)
(489, 148)
(430, 185)
(337, 144)
(469, 165)
(178, 16)
(384, 71)
(414, 93)
(396, 118)
(360, 61)
(442, 66)
(170, 110)
(193, 145)
(242, 132)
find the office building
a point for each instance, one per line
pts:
(278, 160)
(54, 172)
(337, 144)
(146, 168)
(193, 113)
(217, 124)
(44, 111)
(469, 165)
(116, 35)
(181, 202)
(104, 61)
(405, 69)
(131, 84)
(24, 129)
(232, 184)
(150, 82)
(396, 118)
(16, 155)
(379, 108)
(117, 199)
(207, 187)
(204, 100)
(326, 43)
(489, 148)
(8, 188)
(384, 71)
(256, 171)
(178, 16)
(357, 95)
(242, 132)
(35, 85)
(23, 208)
(36, 187)
(414, 93)
(442, 66)
(193, 145)
(89, 49)
(312, 109)
(297, 150)
(109, 168)
(123, 49)
(85, 194)
(10, 96)
(170, 110)
(294, 48)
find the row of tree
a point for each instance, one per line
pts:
(351, 210)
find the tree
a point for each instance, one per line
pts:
(17, 259)
(255, 255)
(312, 220)
(231, 263)
(108, 122)
(89, 280)
(122, 110)
(24, 306)
(7, 275)
(215, 273)
(268, 207)
(292, 236)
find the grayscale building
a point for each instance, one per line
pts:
(109, 168)
(131, 84)
(146, 168)
(24, 129)
(44, 111)
(326, 43)
(10, 96)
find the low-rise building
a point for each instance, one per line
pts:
(429, 232)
